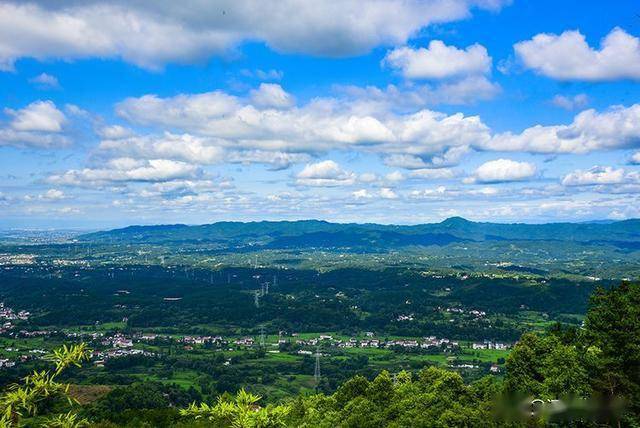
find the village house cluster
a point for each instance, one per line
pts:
(17, 259)
(488, 344)
(117, 344)
(473, 312)
(118, 340)
(100, 357)
(8, 315)
(372, 342)
(326, 340)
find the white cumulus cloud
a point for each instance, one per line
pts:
(271, 95)
(38, 116)
(502, 170)
(152, 34)
(600, 175)
(362, 194)
(568, 56)
(615, 128)
(38, 125)
(325, 174)
(387, 193)
(439, 61)
(193, 149)
(122, 170)
(461, 75)
(318, 126)
(53, 195)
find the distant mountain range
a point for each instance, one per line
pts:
(322, 234)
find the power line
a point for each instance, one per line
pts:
(262, 336)
(316, 370)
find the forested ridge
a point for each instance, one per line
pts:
(314, 233)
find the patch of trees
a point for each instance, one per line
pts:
(344, 300)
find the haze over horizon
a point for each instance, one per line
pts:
(96, 228)
(385, 112)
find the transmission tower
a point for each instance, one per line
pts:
(256, 298)
(262, 336)
(316, 371)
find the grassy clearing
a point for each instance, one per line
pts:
(86, 394)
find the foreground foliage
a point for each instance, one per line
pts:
(437, 398)
(24, 400)
(243, 411)
(600, 360)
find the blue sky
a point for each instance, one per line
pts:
(384, 111)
